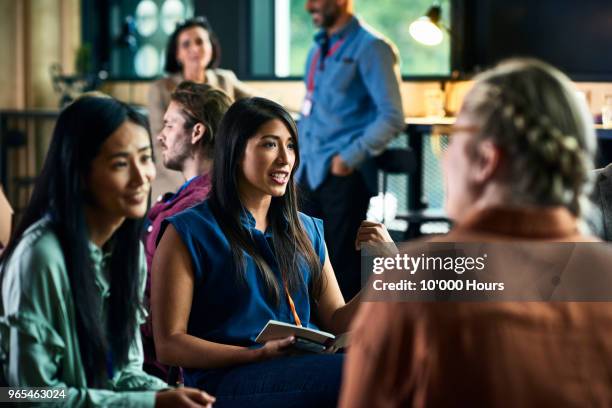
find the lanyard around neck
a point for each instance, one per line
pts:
(298, 322)
(315, 60)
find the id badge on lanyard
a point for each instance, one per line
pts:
(307, 104)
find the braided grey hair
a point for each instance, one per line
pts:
(532, 112)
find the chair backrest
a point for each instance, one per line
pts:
(397, 161)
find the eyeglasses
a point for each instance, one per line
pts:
(453, 129)
(447, 129)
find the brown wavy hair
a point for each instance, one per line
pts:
(202, 103)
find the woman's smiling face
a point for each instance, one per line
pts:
(120, 175)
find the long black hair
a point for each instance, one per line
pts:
(60, 193)
(292, 246)
(172, 66)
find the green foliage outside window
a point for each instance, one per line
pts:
(389, 17)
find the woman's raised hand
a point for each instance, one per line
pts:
(372, 233)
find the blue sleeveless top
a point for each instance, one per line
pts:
(227, 308)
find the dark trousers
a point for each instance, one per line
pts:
(342, 203)
(311, 380)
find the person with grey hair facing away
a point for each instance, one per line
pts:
(516, 169)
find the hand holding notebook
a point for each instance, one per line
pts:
(306, 339)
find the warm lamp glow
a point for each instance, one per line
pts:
(425, 31)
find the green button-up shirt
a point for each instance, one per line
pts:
(38, 337)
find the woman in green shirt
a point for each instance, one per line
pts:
(73, 274)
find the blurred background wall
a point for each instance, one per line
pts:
(34, 34)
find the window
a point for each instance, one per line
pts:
(128, 38)
(389, 17)
(261, 39)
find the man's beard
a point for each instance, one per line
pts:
(177, 161)
(329, 20)
(329, 15)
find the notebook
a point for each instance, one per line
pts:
(306, 339)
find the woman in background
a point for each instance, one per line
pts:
(73, 273)
(192, 54)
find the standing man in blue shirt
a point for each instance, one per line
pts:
(351, 111)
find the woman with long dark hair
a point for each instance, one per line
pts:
(245, 256)
(73, 273)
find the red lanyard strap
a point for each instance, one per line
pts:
(315, 59)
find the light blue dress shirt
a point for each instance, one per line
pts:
(356, 104)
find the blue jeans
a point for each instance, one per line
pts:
(310, 380)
